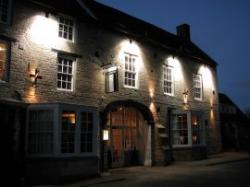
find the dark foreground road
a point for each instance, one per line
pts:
(236, 174)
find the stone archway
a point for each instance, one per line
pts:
(129, 124)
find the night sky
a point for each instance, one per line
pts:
(221, 28)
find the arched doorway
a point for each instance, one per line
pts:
(129, 125)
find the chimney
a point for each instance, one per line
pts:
(183, 31)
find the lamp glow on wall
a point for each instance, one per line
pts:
(130, 46)
(43, 30)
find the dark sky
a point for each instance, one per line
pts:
(220, 27)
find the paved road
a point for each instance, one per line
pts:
(236, 174)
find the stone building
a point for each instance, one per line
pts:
(85, 87)
(235, 126)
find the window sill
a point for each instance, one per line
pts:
(131, 87)
(171, 95)
(198, 99)
(64, 90)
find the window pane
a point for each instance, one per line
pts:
(4, 11)
(86, 131)
(66, 28)
(130, 70)
(197, 89)
(180, 129)
(196, 129)
(68, 131)
(3, 60)
(65, 73)
(40, 132)
(168, 80)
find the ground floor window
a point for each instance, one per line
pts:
(40, 136)
(62, 129)
(187, 128)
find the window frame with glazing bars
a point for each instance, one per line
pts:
(190, 128)
(6, 13)
(130, 69)
(196, 87)
(167, 80)
(66, 28)
(64, 77)
(92, 142)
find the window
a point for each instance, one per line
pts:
(197, 87)
(130, 77)
(187, 129)
(40, 134)
(66, 28)
(65, 73)
(68, 132)
(180, 129)
(4, 66)
(111, 81)
(168, 80)
(5, 6)
(196, 123)
(62, 130)
(86, 131)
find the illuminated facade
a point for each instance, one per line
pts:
(76, 70)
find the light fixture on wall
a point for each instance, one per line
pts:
(35, 76)
(105, 134)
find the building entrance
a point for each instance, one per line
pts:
(129, 137)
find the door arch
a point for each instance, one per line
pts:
(129, 124)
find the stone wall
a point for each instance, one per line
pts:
(89, 82)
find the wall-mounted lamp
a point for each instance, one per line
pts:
(185, 97)
(36, 76)
(105, 134)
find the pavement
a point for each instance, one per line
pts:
(122, 174)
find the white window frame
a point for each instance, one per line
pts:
(8, 13)
(73, 28)
(128, 70)
(166, 69)
(190, 130)
(64, 57)
(57, 130)
(200, 87)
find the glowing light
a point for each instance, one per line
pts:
(185, 98)
(31, 95)
(105, 134)
(43, 30)
(175, 63)
(206, 76)
(132, 48)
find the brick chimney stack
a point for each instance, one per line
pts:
(183, 31)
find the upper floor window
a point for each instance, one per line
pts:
(131, 74)
(187, 129)
(5, 6)
(65, 74)
(197, 87)
(66, 28)
(168, 80)
(4, 66)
